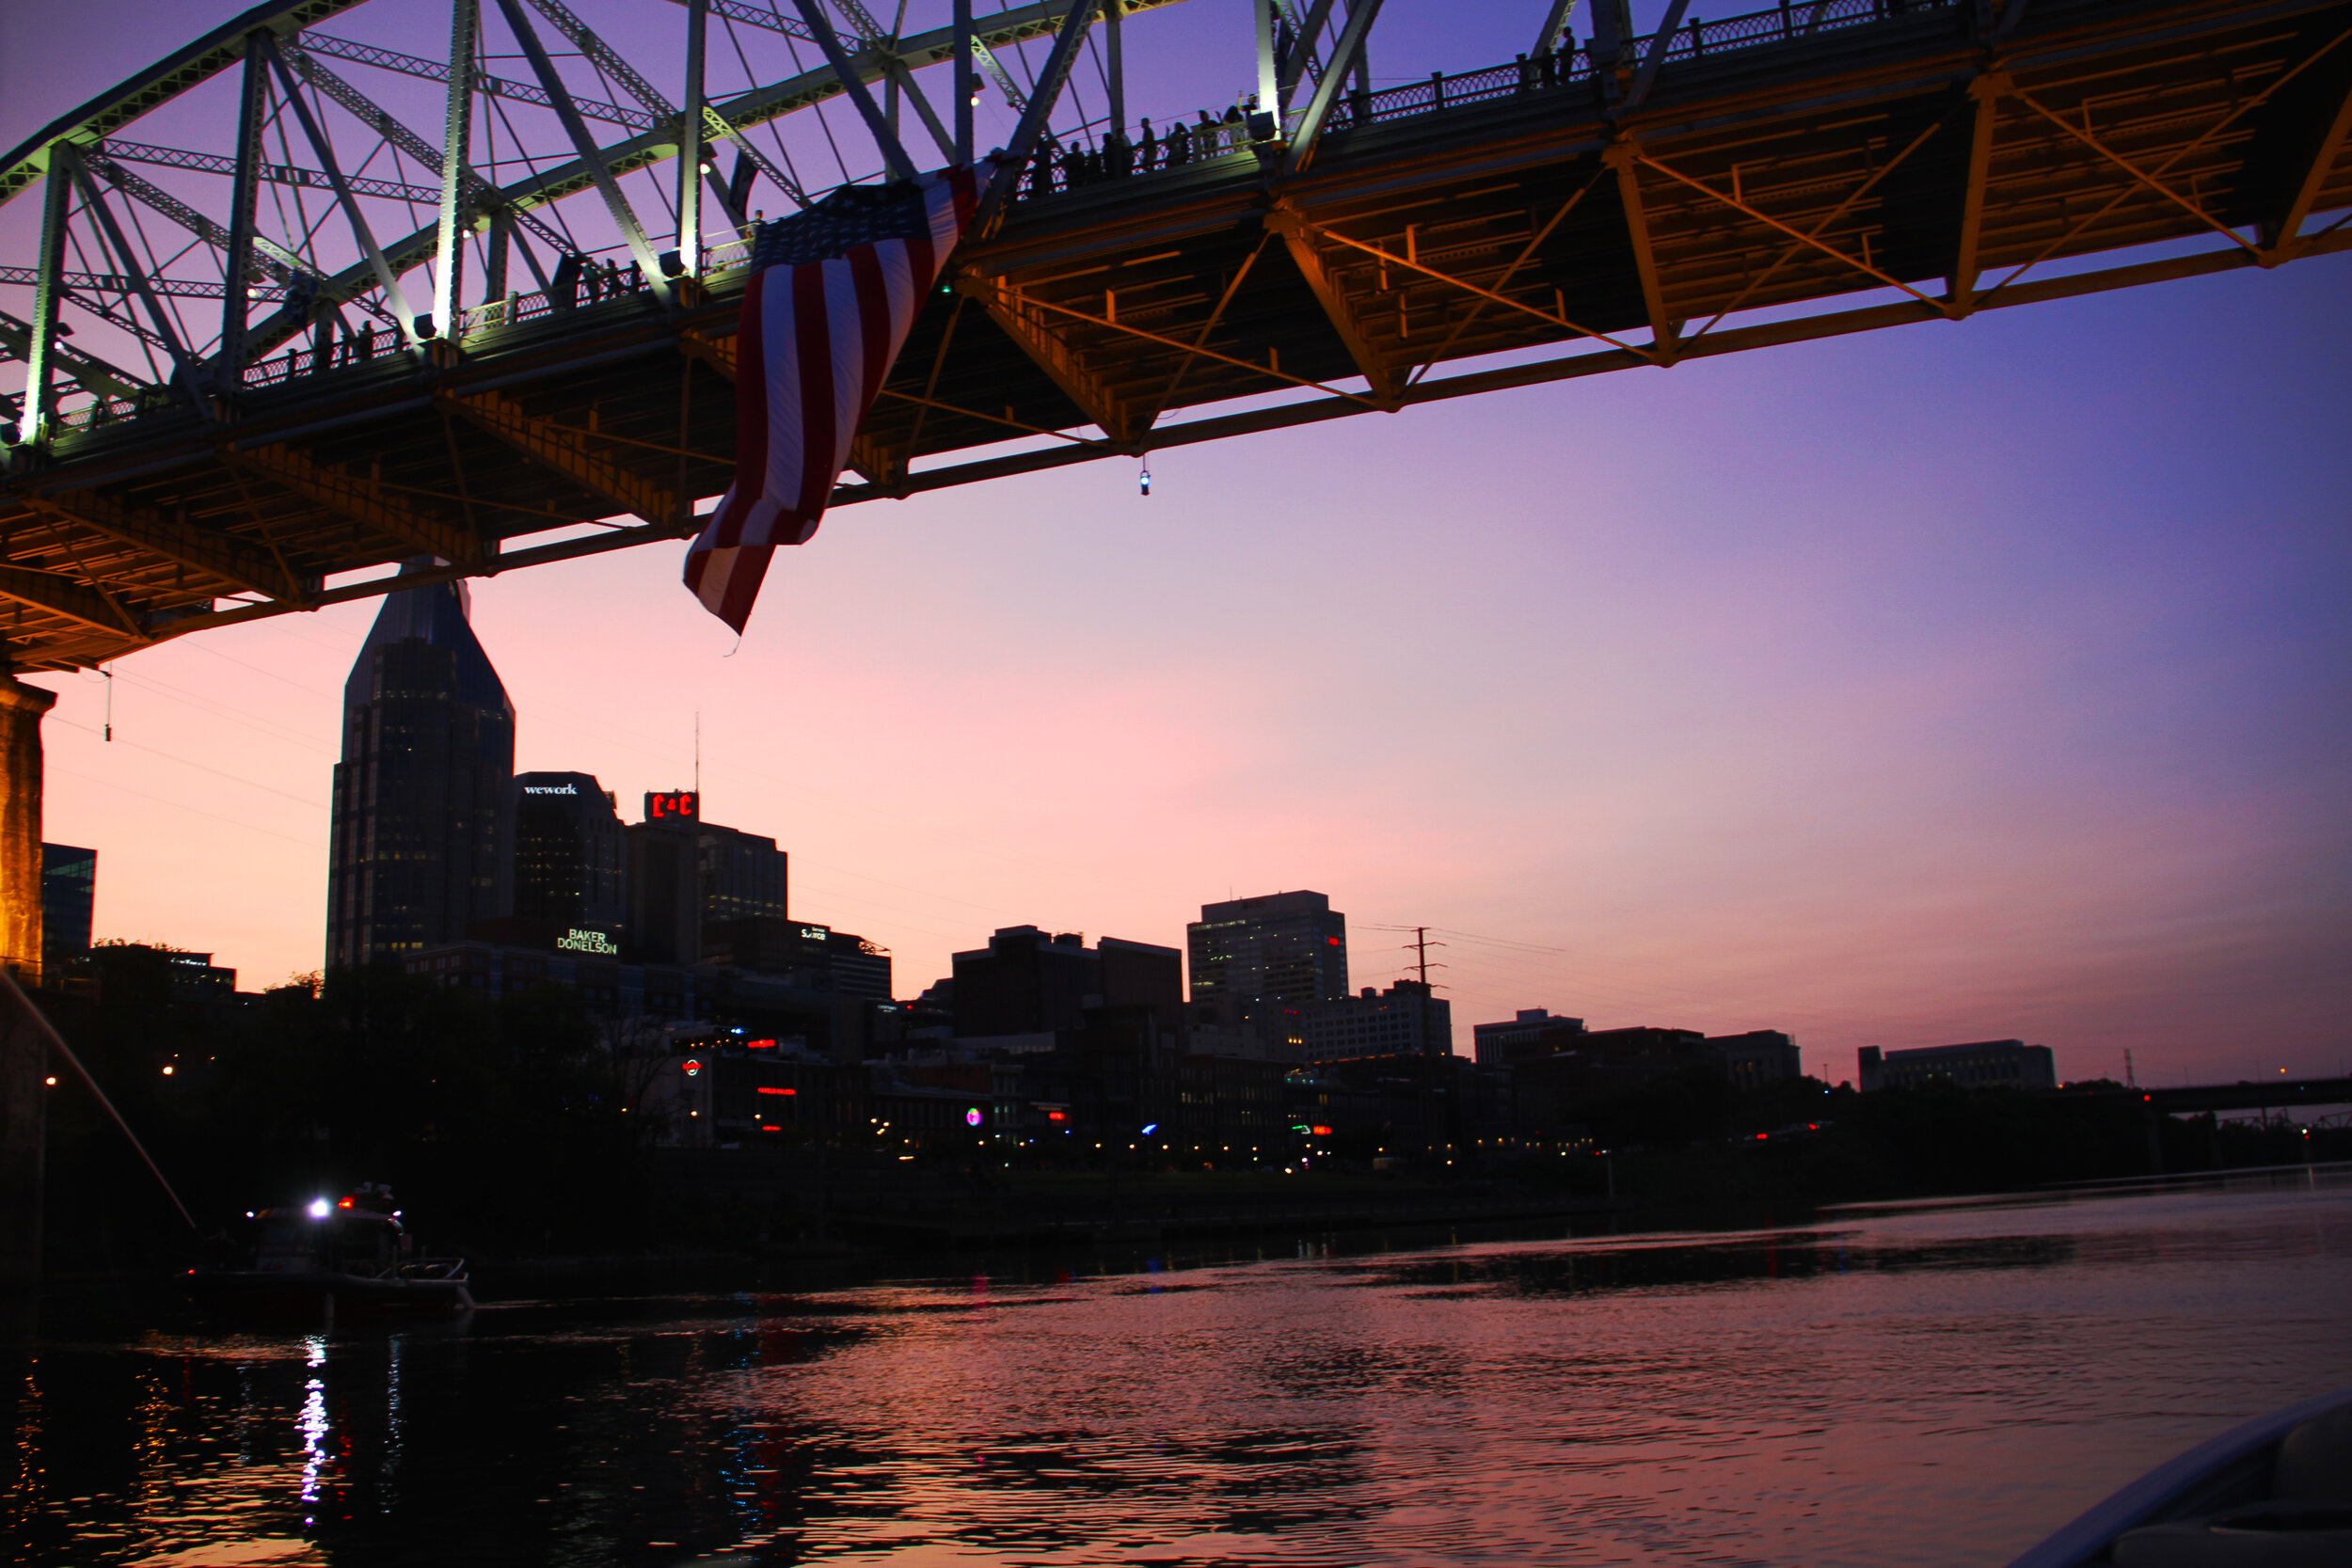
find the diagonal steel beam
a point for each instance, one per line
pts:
(1033, 117)
(362, 499)
(272, 174)
(584, 40)
(2314, 175)
(1301, 238)
(1555, 23)
(2184, 203)
(563, 450)
(893, 153)
(1665, 333)
(904, 80)
(1095, 397)
(2239, 110)
(267, 254)
(1832, 251)
(485, 84)
(215, 554)
(1985, 94)
(181, 360)
(361, 235)
(93, 374)
(61, 595)
(1812, 237)
(969, 283)
(1343, 54)
(380, 121)
(1527, 252)
(1406, 263)
(1659, 42)
(591, 156)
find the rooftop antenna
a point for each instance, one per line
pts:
(698, 761)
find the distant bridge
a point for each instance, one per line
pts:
(2253, 1094)
(376, 386)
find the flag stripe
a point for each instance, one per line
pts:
(824, 319)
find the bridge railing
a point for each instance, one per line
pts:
(1056, 170)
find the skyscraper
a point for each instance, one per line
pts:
(413, 856)
(685, 874)
(570, 860)
(1252, 958)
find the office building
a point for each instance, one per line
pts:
(1537, 1032)
(1759, 1057)
(570, 859)
(685, 874)
(68, 902)
(415, 846)
(812, 955)
(1981, 1065)
(1254, 958)
(1406, 1019)
(1028, 983)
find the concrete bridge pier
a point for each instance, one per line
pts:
(23, 1049)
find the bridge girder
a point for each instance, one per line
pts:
(1920, 167)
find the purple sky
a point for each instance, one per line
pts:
(1955, 682)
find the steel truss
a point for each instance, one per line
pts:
(1821, 168)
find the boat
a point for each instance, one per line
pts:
(320, 1263)
(2274, 1492)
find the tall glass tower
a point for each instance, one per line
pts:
(428, 756)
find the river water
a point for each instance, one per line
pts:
(1939, 1385)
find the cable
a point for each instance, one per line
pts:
(202, 768)
(69, 773)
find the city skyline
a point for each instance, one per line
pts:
(1941, 684)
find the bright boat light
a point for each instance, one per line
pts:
(319, 1209)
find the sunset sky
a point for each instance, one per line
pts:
(1954, 682)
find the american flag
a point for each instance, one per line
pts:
(833, 292)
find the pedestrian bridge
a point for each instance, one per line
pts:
(272, 339)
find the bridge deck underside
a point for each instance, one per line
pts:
(1911, 161)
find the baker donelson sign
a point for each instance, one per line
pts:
(580, 940)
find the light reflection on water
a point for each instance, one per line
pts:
(1930, 1385)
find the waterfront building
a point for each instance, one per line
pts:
(1406, 1019)
(569, 864)
(1535, 1032)
(69, 903)
(818, 955)
(415, 847)
(1025, 982)
(1254, 960)
(1759, 1057)
(1978, 1065)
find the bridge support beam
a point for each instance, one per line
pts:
(2323, 112)
(1094, 397)
(1985, 94)
(61, 595)
(362, 501)
(564, 452)
(1665, 335)
(223, 556)
(1298, 235)
(23, 1048)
